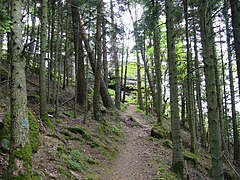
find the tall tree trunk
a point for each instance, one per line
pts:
(207, 39)
(139, 84)
(235, 8)
(198, 89)
(105, 60)
(236, 146)
(79, 55)
(189, 82)
(125, 74)
(115, 59)
(96, 95)
(42, 75)
(20, 159)
(158, 72)
(177, 160)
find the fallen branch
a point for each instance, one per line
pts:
(67, 100)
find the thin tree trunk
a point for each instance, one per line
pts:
(115, 59)
(42, 75)
(198, 90)
(235, 8)
(236, 146)
(139, 84)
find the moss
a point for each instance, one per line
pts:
(169, 176)
(168, 143)
(190, 157)
(69, 114)
(64, 173)
(82, 131)
(163, 168)
(23, 158)
(47, 121)
(159, 132)
(178, 168)
(33, 130)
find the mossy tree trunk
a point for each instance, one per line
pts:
(177, 160)
(20, 160)
(42, 74)
(207, 39)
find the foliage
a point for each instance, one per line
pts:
(5, 23)
(76, 159)
(82, 131)
(165, 173)
(168, 143)
(159, 132)
(191, 157)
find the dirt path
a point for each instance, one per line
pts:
(134, 161)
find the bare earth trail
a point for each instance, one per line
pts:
(135, 160)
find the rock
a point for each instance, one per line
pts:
(159, 132)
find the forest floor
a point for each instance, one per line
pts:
(118, 148)
(137, 156)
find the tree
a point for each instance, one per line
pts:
(97, 81)
(236, 148)
(20, 159)
(189, 81)
(207, 39)
(79, 54)
(235, 5)
(42, 75)
(177, 159)
(115, 59)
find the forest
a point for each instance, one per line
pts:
(120, 89)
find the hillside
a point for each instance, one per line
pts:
(120, 147)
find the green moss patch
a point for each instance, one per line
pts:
(165, 173)
(33, 130)
(82, 131)
(76, 159)
(168, 143)
(23, 159)
(190, 157)
(69, 114)
(159, 132)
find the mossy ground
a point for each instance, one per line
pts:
(33, 130)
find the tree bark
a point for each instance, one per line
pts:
(177, 159)
(42, 74)
(207, 40)
(20, 160)
(79, 55)
(236, 146)
(235, 8)
(115, 59)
